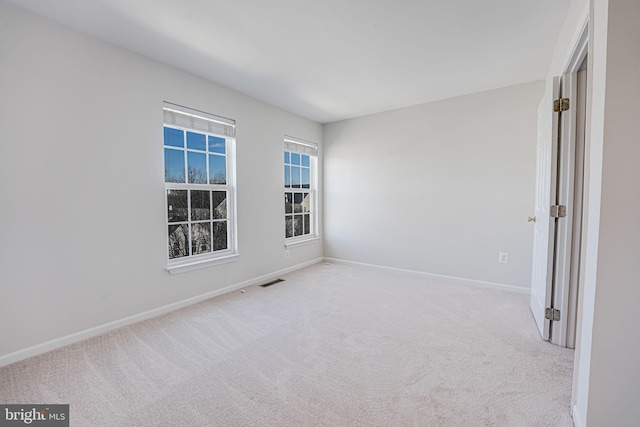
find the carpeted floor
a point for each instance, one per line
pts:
(333, 345)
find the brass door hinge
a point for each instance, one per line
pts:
(561, 104)
(552, 314)
(558, 211)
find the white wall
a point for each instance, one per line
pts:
(81, 176)
(614, 370)
(438, 188)
(606, 374)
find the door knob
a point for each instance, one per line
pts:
(531, 219)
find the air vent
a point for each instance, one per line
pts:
(273, 282)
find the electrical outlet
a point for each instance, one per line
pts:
(287, 253)
(503, 257)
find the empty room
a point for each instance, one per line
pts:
(357, 213)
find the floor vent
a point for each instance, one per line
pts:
(273, 282)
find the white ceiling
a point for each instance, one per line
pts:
(330, 60)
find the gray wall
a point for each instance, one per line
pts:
(81, 176)
(438, 188)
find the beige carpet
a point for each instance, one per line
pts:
(333, 345)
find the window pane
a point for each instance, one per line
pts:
(287, 176)
(306, 224)
(217, 170)
(295, 159)
(306, 202)
(297, 202)
(196, 141)
(173, 165)
(217, 145)
(200, 208)
(198, 174)
(219, 204)
(177, 205)
(178, 241)
(288, 224)
(287, 157)
(306, 178)
(297, 225)
(173, 137)
(197, 168)
(200, 238)
(288, 203)
(295, 177)
(219, 235)
(305, 160)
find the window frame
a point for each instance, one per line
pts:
(302, 147)
(196, 261)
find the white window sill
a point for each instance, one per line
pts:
(199, 264)
(301, 242)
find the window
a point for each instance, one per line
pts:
(300, 188)
(199, 185)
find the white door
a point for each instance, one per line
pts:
(565, 197)
(544, 226)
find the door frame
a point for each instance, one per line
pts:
(566, 280)
(579, 217)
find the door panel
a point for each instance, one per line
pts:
(544, 227)
(565, 196)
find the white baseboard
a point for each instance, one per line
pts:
(501, 286)
(37, 349)
(577, 421)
